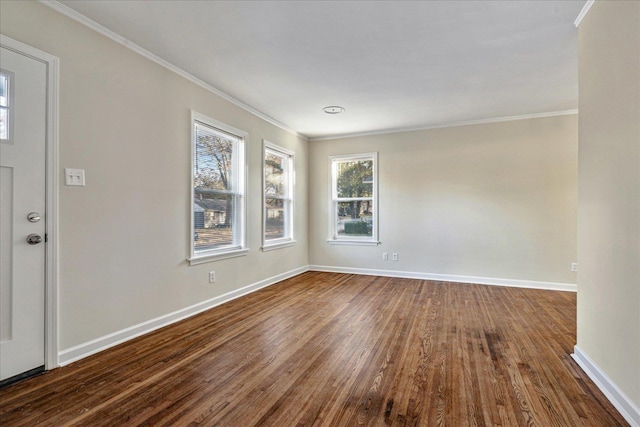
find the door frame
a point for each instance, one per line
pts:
(51, 195)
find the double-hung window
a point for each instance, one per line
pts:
(218, 190)
(278, 197)
(354, 198)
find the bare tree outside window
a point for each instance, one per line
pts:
(274, 190)
(278, 195)
(216, 195)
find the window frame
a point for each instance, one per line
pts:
(10, 106)
(288, 239)
(334, 237)
(240, 226)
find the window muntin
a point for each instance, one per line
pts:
(278, 196)
(6, 105)
(218, 179)
(354, 198)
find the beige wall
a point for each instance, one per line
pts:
(493, 200)
(609, 192)
(124, 238)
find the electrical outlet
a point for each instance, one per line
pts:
(394, 256)
(385, 256)
(574, 266)
(212, 277)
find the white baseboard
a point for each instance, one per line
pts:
(94, 346)
(450, 278)
(629, 410)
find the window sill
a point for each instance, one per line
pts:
(353, 242)
(273, 246)
(217, 257)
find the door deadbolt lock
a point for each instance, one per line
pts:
(34, 239)
(33, 217)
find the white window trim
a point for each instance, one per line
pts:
(225, 253)
(208, 257)
(285, 242)
(334, 238)
(10, 107)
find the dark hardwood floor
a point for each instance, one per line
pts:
(336, 350)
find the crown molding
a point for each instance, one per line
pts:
(583, 12)
(82, 19)
(449, 125)
(78, 17)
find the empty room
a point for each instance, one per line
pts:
(329, 213)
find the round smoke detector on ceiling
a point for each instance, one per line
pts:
(333, 109)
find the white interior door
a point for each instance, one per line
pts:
(23, 105)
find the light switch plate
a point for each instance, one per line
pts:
(74, 177)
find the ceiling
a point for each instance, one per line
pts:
(393, 65)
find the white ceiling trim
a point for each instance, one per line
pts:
(450, 125)
(583, 12)
(82, 19)
(54, 4)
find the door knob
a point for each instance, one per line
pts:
(34, 239)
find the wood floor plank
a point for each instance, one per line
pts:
(328, 349)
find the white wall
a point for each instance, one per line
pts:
(124, 238)
(609, 193)
(494, 200)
